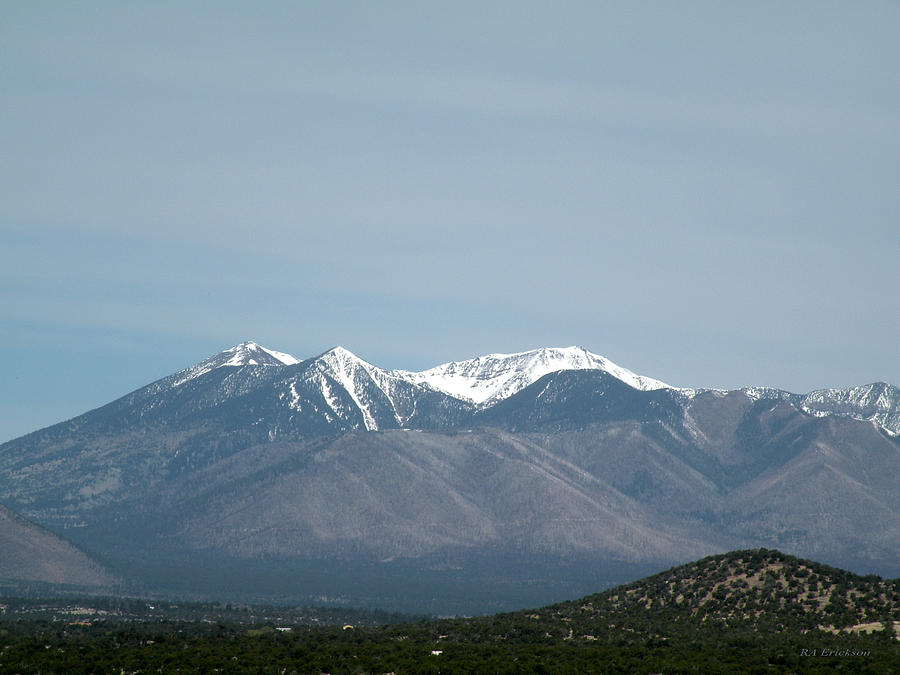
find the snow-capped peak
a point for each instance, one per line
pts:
(340, 354)
(362, 381)
(490, 378)
(252, 354)
(343, 364)
(245, 354)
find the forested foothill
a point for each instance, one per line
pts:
(748, 611)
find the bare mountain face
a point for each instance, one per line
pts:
(548, 455)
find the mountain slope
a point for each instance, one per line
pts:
(191, 419)
(408, 494)
(30, 553)
(573, 398)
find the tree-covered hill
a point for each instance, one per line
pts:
(753, 611)
(765, 589)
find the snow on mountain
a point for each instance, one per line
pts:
(375, 392)
(352, 387)
(250, 353)
(767, 393)
(385, 395)
(878, 403)
(351, 373)
(487, 379)
(244, 354)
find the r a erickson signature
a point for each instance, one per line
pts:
(835, 652)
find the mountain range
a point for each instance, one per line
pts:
(257, 473)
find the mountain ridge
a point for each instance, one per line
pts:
(486, 380)
(333, 460)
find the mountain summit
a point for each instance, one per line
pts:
(487, 379)
(244, 354)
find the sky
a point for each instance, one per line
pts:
(703, 192)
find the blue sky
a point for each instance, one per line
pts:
(705, 193)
